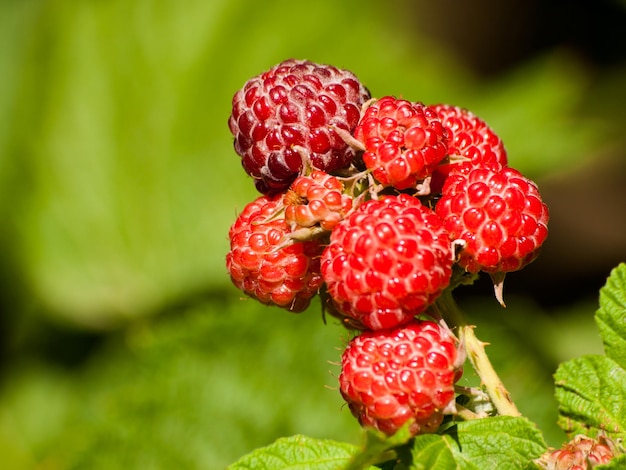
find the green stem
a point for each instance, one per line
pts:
(467, 414)
(447, 307)
(496, 390)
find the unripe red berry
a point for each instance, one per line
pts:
(316, 199)
(265, 265)
(581, 453)
(389, 377)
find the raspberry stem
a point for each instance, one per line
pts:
(475, 350)
(480, 361)
(467, 414)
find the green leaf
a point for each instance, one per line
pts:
(591, 392)
(297, 452)
(500, 442)
(611, 317)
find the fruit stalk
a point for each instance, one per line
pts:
(496, 390)
(475, 350)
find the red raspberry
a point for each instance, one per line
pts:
(391, 376)
(499, 216)
(387, 261)
(403, 141)
(287, 113)
(316, 199)
(261, 265)
(469, 137)
(581, 453)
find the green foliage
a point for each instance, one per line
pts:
(190, 390)
(547, 90)
(591, 390)
(502, 442)
(118, 183)
(610, 317)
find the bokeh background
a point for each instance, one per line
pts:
(123, 342)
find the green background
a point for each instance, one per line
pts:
(124, 342)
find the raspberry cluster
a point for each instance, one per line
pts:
(378, 206)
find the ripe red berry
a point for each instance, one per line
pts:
(471, 142)
(316, 199)
(499, 216)
(387, 261)
(581, 453)
(391, 376)
(287, 114)
(263, 266)
(403, 141)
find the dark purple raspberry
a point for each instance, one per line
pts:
(283, 119)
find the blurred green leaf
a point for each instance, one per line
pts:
(15, 18)
(198, 388)
(535, 110)
(611, 317)
(122, 147)
(35, 406)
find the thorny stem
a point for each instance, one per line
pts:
(475, 349)
(495, 388)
